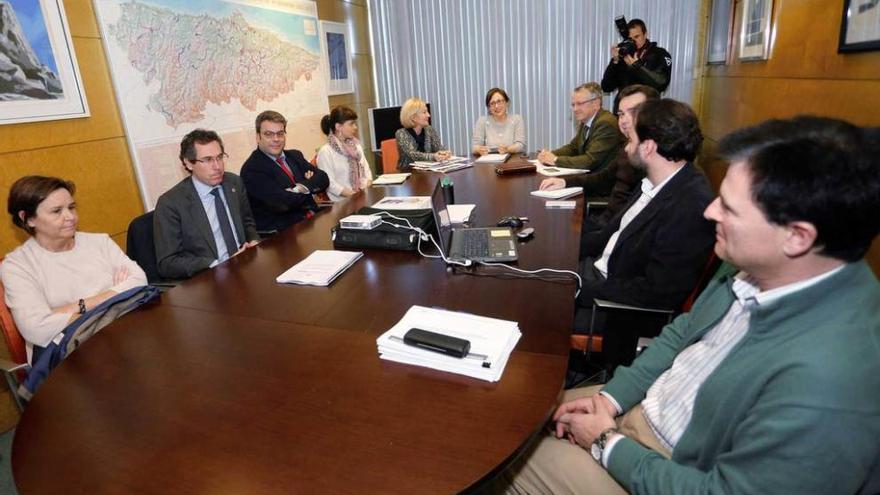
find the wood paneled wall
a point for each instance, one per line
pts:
(804, 74)
(93, 151)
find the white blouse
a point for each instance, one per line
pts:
(336, 166)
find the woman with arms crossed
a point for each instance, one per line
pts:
(59, 273)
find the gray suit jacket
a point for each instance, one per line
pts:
(182, 235)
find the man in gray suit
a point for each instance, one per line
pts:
(205, 219)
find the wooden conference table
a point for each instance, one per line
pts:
(233, 383)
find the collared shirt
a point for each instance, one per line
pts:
(649, 191)
(204, 192)
(669, 402)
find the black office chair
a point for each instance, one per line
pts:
(139, 247)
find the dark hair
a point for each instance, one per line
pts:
(492, 92)
(28, 192)
(200, 136)
(271, 116)
(339, 115)
(649, 92)
(637, 23)
(817, 170)
(672, 125)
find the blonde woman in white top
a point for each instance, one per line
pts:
(342, 158)
(58, 273)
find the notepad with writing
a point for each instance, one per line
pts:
(319, 268)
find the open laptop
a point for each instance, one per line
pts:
(475, 244)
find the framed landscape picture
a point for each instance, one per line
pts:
(860, 26)
(41, 79)
(337, 56)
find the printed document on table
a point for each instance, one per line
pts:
(404, 203)
(391, 179)
(552, 171)
(558, 193)
(319, 268)
(493, 158)
(490, 337)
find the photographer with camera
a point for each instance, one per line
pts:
(636, 60)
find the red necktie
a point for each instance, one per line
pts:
(285, 169)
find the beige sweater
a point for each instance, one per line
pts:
(37, 280)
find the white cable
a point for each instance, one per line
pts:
(539, 270)
(468, 263)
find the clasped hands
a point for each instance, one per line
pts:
(546, 157)
(582, 420)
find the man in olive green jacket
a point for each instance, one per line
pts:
(770, 383)
(598, 140)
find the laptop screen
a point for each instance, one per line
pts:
(441, 218)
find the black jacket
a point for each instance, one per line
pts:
(274, 207)
(653, 68)
(659, 257)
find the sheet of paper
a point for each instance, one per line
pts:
(566, 192)
(493, 158)
(558, 171)
(404, 203)
(460, 213)
(319, 268)
(389, 179)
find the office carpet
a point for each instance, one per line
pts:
(7, 486)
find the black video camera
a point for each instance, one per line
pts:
(627, 46)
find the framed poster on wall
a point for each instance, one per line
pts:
(754, 40)
(860, 26)
(720, 20)
(337, 56)
(41, 78)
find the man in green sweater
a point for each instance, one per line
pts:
(771, 384)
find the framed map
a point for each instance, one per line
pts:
(39, 77)
(337, 56)
(178, 65)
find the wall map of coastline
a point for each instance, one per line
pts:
(178, 65)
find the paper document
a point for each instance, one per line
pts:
(460, 213)
(404, 203)
(559, 171)
(319, 268)
(389, 179)
(493, 158)
(489, 337)
(559, 193)
(446, 166)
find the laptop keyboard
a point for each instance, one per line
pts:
(476, 243)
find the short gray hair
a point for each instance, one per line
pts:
(591, 87)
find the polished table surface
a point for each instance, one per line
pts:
(233, 383)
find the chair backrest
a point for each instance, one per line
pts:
(389, 156)
(321, 197)
(10, 332)
(139, 246)
(709, 270)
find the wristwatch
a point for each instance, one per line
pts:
(600, 442)
(82, 306)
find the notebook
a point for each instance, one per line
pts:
(475, 244)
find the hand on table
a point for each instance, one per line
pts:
(546, 157)
(552, 184)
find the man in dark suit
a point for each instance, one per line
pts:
(597, 141)
(280, 182)
(653, 251)
(205, 219)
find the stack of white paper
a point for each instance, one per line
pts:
(319, 268)
(493, 158)
(390, 179)
(450, 165)
(559, 193)
(558, 171)
(489, 337)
